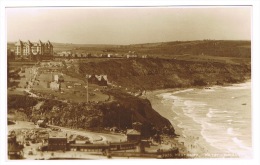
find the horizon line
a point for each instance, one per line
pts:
(138, 43)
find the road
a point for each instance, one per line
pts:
(95, 137)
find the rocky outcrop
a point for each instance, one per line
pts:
(121, 113)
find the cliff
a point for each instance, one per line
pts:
(126, 109)
(121, 113)
(152, 73)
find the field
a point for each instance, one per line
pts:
(208, 58)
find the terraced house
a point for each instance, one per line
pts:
(26, 49)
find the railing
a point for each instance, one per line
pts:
(100, 147)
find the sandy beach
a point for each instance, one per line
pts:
(193, 145)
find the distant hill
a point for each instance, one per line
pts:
(222, 48)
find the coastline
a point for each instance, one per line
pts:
(194, 146)
(190, 146)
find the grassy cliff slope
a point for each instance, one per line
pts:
(153, 73)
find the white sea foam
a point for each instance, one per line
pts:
(212, 112)
(229, 121)
(194, 104)
(240, 143)
(246, 85)
(209, 90)
(211, 116)
(230, 131)
(182, 91)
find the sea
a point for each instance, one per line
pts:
(221, 115)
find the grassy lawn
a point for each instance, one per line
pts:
(15, 92)
(207, 58)
(73, 94)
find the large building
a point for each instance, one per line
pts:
(26, 49)
(57, 141)
(133, 135)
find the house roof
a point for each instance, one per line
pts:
(132, 132)
(98, 77)
(19, 43)
(40, 42)
(57, 135)
(89, 145)
(137, 123)
(29, 42)
(49, 42)
(32, 43)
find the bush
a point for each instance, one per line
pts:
(199, 82)
(20, 101)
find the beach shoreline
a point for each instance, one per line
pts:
(194, 146)
(186, 145)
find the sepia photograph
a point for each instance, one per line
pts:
(129, 82)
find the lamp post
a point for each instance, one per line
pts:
(132, 116)
(119, 124)
(87, 76)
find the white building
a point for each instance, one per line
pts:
(54, 86)
(25, 49)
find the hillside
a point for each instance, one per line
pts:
(153, 73)
(222, 48)
(119, 113)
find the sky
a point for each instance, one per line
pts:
(127, 25)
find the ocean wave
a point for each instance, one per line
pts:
(230, 131)
(229, 121)
(240, 143)
(240, 149)
(165, 95)
(240, 121)
(212, 112)
(216, 120)
(209, 90)
(239, 86)
(210, 139)
(169, 96)
(188, 110)
(209, 114)
(182, 91)
(218, 114)
(194, 104)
